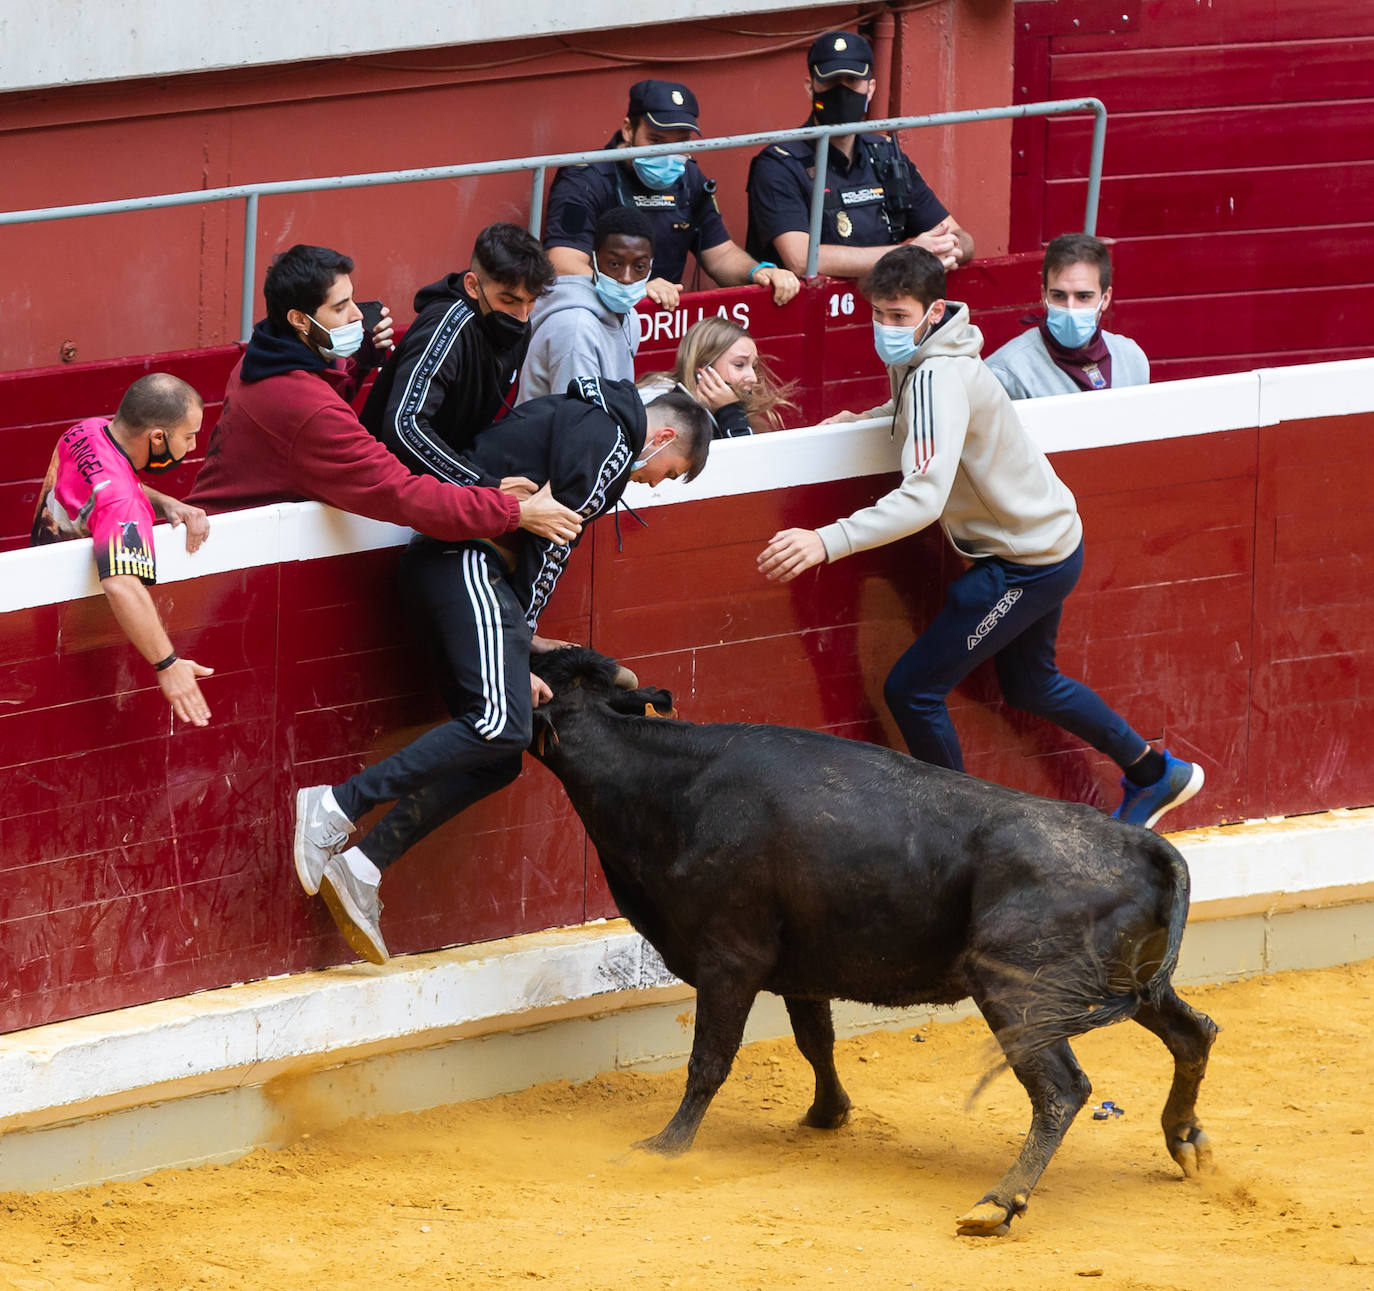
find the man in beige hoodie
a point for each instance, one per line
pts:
(968, 463)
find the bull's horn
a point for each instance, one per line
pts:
(625, 679)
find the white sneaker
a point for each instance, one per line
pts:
(355, 904)
(321, 829)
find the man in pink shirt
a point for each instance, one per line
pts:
(96, 494)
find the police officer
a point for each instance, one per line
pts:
(875, 197)
(671, 190)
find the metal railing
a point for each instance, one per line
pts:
(821, 135)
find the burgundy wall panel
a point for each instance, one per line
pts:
(1236, 133)
(1224, 608)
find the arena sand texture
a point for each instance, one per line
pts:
(540, 1187)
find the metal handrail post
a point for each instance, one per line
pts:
(250, 258)
(537, 200)
(1095, 167)
(813, 242)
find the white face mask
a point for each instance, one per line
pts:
(343, 341)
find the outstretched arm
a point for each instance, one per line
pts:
(135, 612)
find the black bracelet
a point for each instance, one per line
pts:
(163, 664)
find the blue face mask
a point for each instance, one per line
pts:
(898, 344)
(660, 172)
(343, 341)
(1072, 328)
(644, 461)
(618, 297)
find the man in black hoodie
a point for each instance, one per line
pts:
(479, 602)
(458, 361)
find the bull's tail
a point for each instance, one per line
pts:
(1175, 917)
(1069, 1003)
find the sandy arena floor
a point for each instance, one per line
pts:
(539, 1187)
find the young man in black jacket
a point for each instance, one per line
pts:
(458, 362)
(478, 603)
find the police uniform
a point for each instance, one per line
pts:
(875, 199)
(685, 216)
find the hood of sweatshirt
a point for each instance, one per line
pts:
(448, 288)
(620, 399)
(576, 291)
(955, 337)
(272, 352)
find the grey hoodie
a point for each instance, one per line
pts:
(966, 462)
(575, 335)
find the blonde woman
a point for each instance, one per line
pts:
(718, 364)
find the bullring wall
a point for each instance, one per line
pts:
(1223, 608)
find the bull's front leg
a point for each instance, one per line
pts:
(815, 1032)
(723, 1002)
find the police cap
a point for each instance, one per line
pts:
(840, 53)
(664, 104)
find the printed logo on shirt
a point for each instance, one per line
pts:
(994, 616)
(861, 196)
(656, 201)
(589, 388)
(131, 553)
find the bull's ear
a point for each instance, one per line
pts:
(636, 701)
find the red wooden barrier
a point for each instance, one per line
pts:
(1224, 609)
(1239, 171)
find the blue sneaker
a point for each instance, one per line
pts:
(1145, 804)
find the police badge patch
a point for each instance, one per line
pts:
(844, 226)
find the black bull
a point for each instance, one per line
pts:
(767, 858)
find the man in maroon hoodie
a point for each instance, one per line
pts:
(287, 432)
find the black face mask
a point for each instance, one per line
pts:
(503, 331)
(162, 460)
(839, 106)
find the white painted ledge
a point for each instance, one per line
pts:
(293, 531)
(246, 1035)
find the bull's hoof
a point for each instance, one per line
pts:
(1193, 1154)
(665, 1145)
(986, 1219)
(821, 1118)
(990, 1218)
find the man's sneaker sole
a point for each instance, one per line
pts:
(352, 923)
(1189, 790)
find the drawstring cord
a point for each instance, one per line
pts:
(643, 524)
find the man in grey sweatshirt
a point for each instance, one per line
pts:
(968, 463)
(1070, 350)
(586, 326)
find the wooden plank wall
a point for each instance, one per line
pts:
(1239, 171)
(1224, 609)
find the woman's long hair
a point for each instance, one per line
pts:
(702, 344)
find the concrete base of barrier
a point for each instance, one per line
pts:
(209, 1077)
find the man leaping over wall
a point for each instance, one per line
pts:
(477, 603)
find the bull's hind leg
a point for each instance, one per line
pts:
(815, 1032)
(722, 1010)
(1058, 1089)
(1188, 1035)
